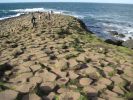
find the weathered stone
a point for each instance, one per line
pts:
(105, 81)
(35, 67)
(81, 58)
(118, 80)
(114, 42)
(99, 87)
(131, 87)
(72, 63)
(25, 87)
(94, 75)
(35, 80)
(91, 72)
(91, 92)
(61, 64)
(85, 81)
(48, 51)
(128, 72)
(51, 96)
(62, 90)
(62, 81)
(113, 33)
(8, 73)
(20, 70)
(121, 35)
(88, 71)
(69, 96)
(17, 52)
(27, 64)
(118, 90)
(46, 76)
(73, 75)
(110, 93)
(47, 87)
(109, 71)
(31, 97)
(128, 43)
(58, 72)
(127, 78)
(8, 95)
(21, 78)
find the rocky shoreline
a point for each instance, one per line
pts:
(60, 60)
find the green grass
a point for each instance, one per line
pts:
(83, 97)
(73, 82)
(125, 51)
(69, 56)
(56, 97)
(111, 74)
(128, 96)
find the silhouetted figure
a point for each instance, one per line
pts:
(52, 12)
(49, 15)
(33, 20)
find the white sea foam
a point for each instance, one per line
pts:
(64, 12)
(27, 10)
(11, 16)
(121, 29)
(38, 10)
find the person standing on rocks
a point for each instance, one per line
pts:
(33, 21)
(49, 15)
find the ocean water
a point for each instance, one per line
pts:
(99, 18)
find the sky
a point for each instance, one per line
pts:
(100, 1)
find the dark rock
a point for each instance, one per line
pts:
(14, 45)
(114, 42)
(128, 43)
(4, 67)
(53, 56)
(113, 33)
(48, 51)
(121, 35)
(64, 47)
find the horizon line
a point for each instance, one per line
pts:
(70, 2)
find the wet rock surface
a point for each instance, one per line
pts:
(59, 60)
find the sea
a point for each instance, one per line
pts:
(100, 18)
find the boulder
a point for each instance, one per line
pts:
(69, 96)
(46, 75)
(62, 81)
(8, 95)
(31, 97)
(61, 64)
(118, 80)
(35, 68)
(47, 87)
(62, 90)
(85, 81)
(114, 42)
(72, 63)
(73, 75)
(131, 87)
(35, 80)
(91, 92)
(121, 35)
(59, 73)
(113, 33)
(128, 43)
(117, 89)
(105, 81)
